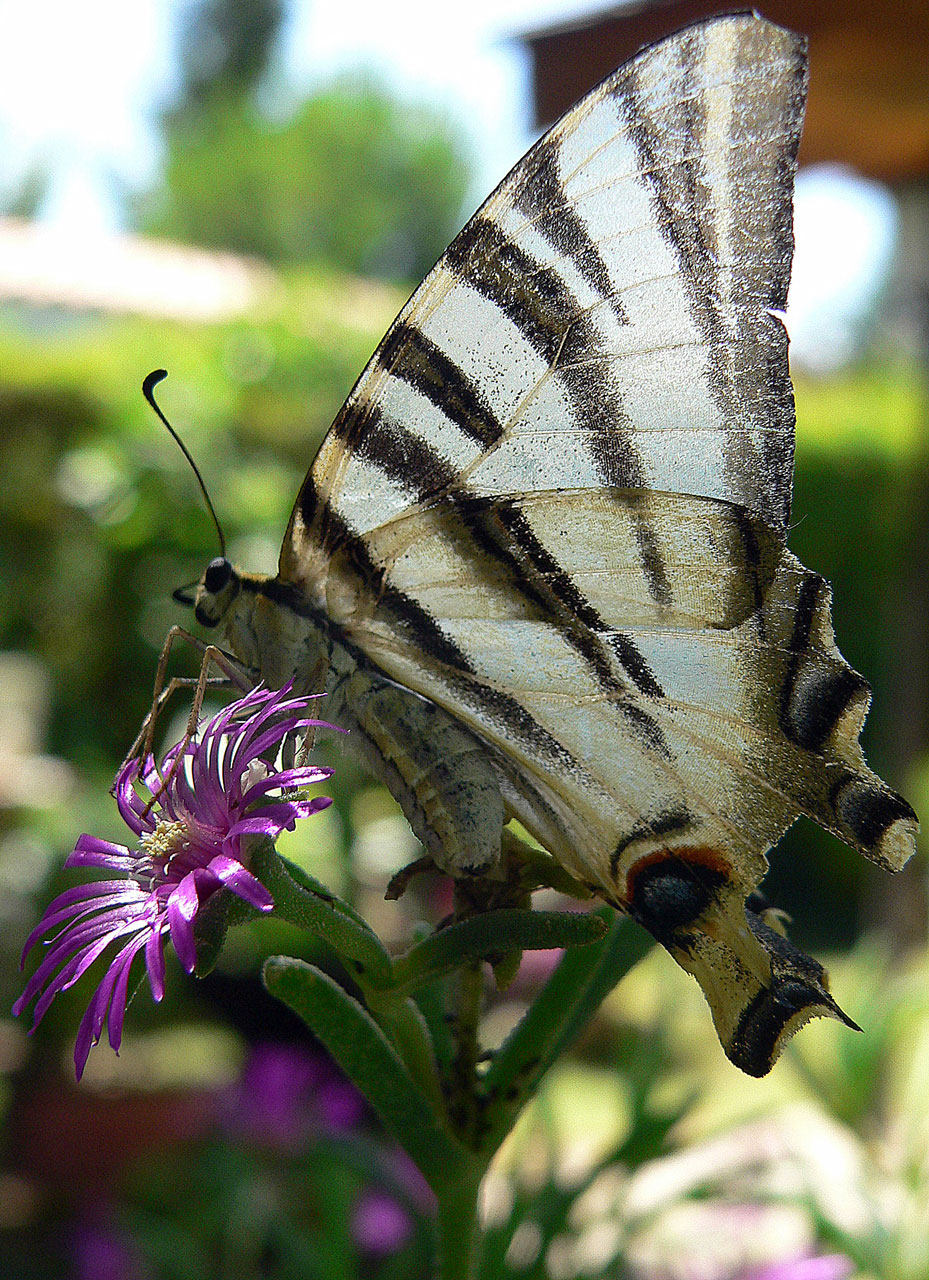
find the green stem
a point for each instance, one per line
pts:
(488, 936)
(552, 1022)
(466, 1097)
(457, 1226)
(406, 1027)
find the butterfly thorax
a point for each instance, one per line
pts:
(268, 627)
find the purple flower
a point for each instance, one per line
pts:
(380, 1224)
(338, 1105)
(269, 1104)
(191, 827)
(98, 1249)
(289, 1095)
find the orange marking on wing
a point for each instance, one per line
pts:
(691, 855)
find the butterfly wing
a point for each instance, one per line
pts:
(607, 312)
(555, 505)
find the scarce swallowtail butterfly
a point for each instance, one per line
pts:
(539, 564)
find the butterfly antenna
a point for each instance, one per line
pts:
(148, 385)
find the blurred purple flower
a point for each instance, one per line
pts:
(206, 796)
(408, 1176)
(338, 1105)
(832, 1266)
(99, 1249)
(288, 1095)
(380, 1224)
(269, 1104)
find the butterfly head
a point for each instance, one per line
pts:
(214, 593)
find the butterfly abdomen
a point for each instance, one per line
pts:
(442, 776)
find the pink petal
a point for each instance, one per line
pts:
(121, 994)
(155, 964)
(231, 873)
(104, 1003)
(129, 803)
(78, 965)
(114, 894)
(182, 908)
(84, 1042)
(92, 852)
(87, 941)
(254, 738)
(305, 777)
(269, 821)
(306, 808)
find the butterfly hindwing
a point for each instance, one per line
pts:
(543, 542)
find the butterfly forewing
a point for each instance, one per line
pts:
(554, 506)
(606, 316)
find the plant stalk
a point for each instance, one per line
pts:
(457, 1226)
(466, 1097)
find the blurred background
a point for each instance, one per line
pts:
(244, 192)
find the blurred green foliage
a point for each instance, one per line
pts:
(352, 177)
(100, 514)
(224, 50)
(859, 518)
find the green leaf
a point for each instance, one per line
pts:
(556, 1017)
(434, 1004)
(310, 883)
(369, 1059)
(223, 911)
(493, 934)
(406, 1027)
(315, 909)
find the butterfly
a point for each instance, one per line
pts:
(538, 565)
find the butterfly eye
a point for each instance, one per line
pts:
(218, 573)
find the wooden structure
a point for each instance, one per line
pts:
(869, 83)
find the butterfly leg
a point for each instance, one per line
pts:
(442, 776)
(234, 675)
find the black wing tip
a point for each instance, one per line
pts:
(774, 1016)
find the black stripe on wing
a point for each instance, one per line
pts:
(868, 809)
(674, 821)
(543, 199)
(815, 696)
(536, 299)
(753, 564)
(408, 354)
(501, 532)
(404, 456)
(653, 566)
(422, 631)
(539, 303)
(747, 370)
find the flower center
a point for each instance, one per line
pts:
(165, 842)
